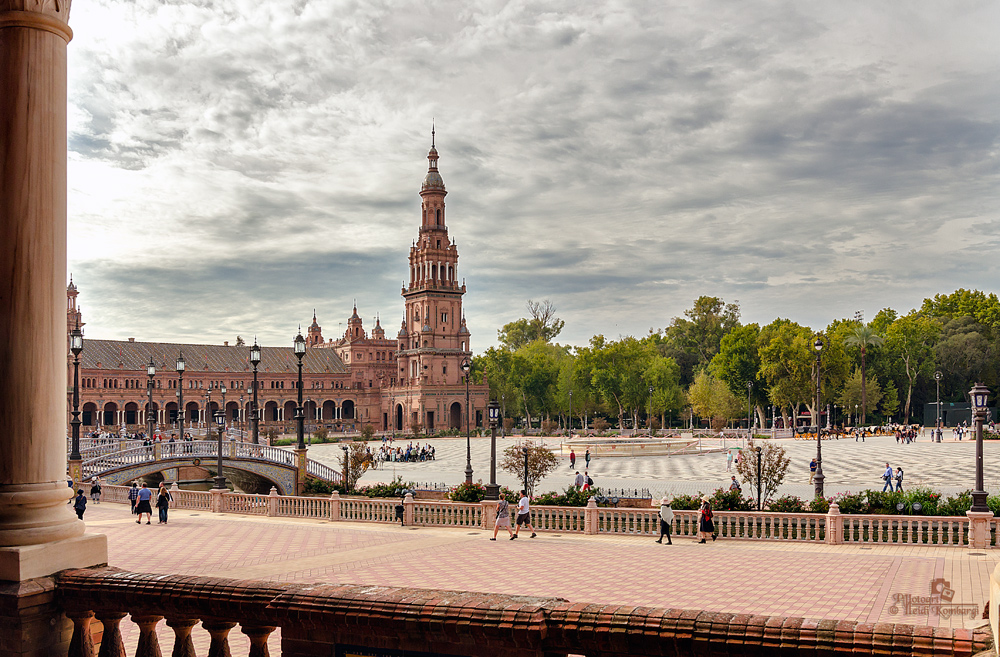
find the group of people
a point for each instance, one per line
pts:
(412, 453)
(706, 521)
(583, 481)
(141, 501)
(523, 517)
(572, 458)
(888, 477)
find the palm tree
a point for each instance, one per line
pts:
(862, 336)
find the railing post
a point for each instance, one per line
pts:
(272, 502)
(148, 645)
(979, 529)
(408, 512)
(183, 644)
(157, 451)
(834, 525)
(489, 513)
(591, 519)
(219, 631)
(258, 638)
(82, 643)
(335, 505)
(111, 642)
(216, 506)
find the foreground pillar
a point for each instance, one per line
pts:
(39, 533)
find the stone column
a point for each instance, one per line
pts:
(834, 525)
(979, 529)
(591, 517)
(409, 514)
(300, 475)
(34, 515)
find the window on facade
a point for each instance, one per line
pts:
(444, 318)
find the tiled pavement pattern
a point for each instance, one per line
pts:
(817, 581)
(848, 466)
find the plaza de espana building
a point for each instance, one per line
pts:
(414, 379)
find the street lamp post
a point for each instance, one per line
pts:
(222, 409)
(749, 407)
(179, 365)
(150, 418)
(255, 414)
(855, 414)
(220, 479)
(937, 407)
(525, 470)
(76, 346)
(243, 424)
(758, 449)
(979, 395)
(300, 351)
(468, 432)
(649, 417)
(819, 478)
(492, 488)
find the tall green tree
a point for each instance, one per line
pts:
(786, 365)
(693, 340)
(864, 338)
(852, 394)
(738, 364)
(541, 324)
(710, 398)
(912, 338)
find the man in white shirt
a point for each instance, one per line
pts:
(523, 516)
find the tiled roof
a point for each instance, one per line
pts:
(199, 358)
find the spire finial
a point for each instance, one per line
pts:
(432, 132)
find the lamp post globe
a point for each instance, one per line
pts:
(979, 396)
(300, 351)
(222, 409)
(819, 478)
(937, 406)
(466, 367)
(76, 347)
(254, 412)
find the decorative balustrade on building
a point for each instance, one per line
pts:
(832, 527)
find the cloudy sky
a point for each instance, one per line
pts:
(234, 165)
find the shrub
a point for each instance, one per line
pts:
(927, 498)
(319, 435)
(787, 504)
(548, 426)
(571, 497)
(820, 505)
(600, 424)
(851, 502)
(391, 489)
(686, 502)
(957, 505)
(885, 502)
(466, 492)
(729, 500)
(367, 432)
(511, 496)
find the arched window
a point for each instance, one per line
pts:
(439, 217)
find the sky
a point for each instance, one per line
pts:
(235, 165)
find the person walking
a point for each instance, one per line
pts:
(812, 470)
(80, 504)
(588, 482)
(579, 481)
(523, 516)
(133, 496)
(163, 500)
(706, 525)
(729, 460)
(899, 479)
(666, 520)
(95, 490)
(142, 505)
(887, 478)
(586, 457)
(572, 459)
(502, 519)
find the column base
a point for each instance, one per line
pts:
(31, 620)
(30, 561)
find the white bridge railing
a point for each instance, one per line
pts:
(97, 461)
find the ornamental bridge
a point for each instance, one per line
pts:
(118, 463)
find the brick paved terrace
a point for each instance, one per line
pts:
(865, 584)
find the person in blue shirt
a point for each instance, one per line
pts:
(887, 477)
(142, 505)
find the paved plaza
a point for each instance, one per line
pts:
(849, 582)
(848, 466)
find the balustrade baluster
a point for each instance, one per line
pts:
(183, 643)
(111, 643)
(82, 643)
(149, 645)
(258, 638)
(219, 631)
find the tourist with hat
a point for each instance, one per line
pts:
(706, 526)
(666, 520)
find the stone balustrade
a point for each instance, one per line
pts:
(332, 619)
(832, 528)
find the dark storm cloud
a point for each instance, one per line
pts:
(620, 160)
